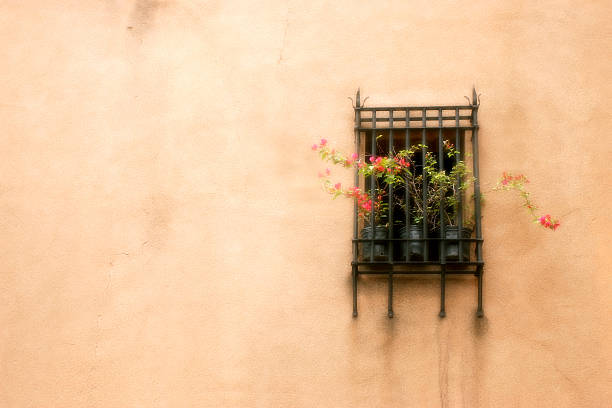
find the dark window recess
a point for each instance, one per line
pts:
(398, 245)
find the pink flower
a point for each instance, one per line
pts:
(353, 192)
(320, 174)
(354, 156)
(548, 222)
(327, 171)
(402, 162)
(337, 186)
(372, 159)
(315, 147)
(323, 142)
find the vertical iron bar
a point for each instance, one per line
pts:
(475, 105)
(479, 311)
(390, 308)
(476, 175)
(443, 291)
(372, 181)
(442, 229)
(459, 215)
(357, 148)
(354, 276)
(423, 149)
(406, 245)
(389, 248)
(390, 190)
(442, 209)
(356, 209)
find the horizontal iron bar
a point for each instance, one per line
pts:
(448, 272)
(416, 239)
(418, 263)
(400, 108)
(363, 129)
(417, 118)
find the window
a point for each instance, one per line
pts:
(426, 219)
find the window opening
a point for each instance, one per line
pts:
(403, 233)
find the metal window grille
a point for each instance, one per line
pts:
(387, 250)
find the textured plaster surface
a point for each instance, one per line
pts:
(165, 242)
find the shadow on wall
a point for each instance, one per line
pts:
(391, 355)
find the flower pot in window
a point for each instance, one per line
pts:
(451, 248)
(381, 252)
(412, 250)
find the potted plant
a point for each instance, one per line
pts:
(420, 213)
(434, 194)
(372, 210)
(380, 228)
(383, 171)
(446, 190)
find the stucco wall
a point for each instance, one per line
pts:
(165, 242)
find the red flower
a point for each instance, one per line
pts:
(403, 162)
(353, 192)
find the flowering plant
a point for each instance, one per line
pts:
(443, 190)
(449, 189)
(508, 182)
(414, 182)
(365, 204)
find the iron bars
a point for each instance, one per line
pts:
(402, 241)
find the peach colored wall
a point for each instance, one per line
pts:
(165, 242)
